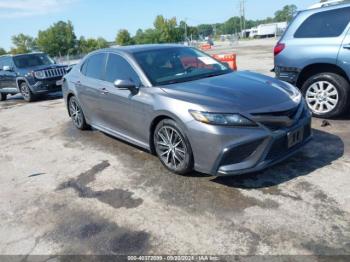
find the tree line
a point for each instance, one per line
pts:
(60, 38)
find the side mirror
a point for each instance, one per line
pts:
(7, 68)
(126, 84)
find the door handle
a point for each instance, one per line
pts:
(104, 91)
(78, 84)
(347, 46)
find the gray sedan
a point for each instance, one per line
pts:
(190, 110)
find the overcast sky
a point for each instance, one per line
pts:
(93, 18)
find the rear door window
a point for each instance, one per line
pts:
(83, 68)
(325, 24)
(95, 66)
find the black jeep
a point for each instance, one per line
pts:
(29, 74)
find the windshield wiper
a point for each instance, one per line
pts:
(215, 74)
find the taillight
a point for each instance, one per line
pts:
(279, 48)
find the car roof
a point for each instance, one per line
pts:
(328, 3)
(34, 53)
(11, 55)
(141, 48)
(326, 8)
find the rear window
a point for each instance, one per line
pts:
(95, 66)
(325, 24)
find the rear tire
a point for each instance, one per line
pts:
(327, 94)
(26, 92)
(172, 147)
(3, 96)
(77, 115)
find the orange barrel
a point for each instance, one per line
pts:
(230, 59)
(205, 47)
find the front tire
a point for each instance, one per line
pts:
(172, 147)
(77, 115)
(326, 94)
(26, 92)
(3, 96)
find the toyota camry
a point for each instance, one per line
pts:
(187, 108)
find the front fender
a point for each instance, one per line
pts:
(21, 79)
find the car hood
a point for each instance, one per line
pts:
(38, 68)
(237, 91)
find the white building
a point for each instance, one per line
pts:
(268, 30)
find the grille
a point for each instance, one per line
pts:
(277, 120)
(289, 113)
(240, 153)
(55, 72)
(280, 146)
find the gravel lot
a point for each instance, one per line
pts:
(69, 192)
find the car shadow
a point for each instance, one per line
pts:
(46, 97)
(320, 152)
(51, 96)
(18, 101)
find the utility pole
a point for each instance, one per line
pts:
(242, 14)
(185, 29)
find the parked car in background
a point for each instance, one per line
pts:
(314, 55)
(29, 74)
(190, 110)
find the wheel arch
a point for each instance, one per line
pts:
(156, 120)
(20, 80)
(161, 115)
(318, 68)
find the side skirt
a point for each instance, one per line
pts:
(122, 136)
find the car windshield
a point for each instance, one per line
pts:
(179, 64)
(32, 60)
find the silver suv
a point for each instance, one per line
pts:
(314, 55)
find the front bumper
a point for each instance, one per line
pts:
(271, 153)
(224, 151)
(46, 86)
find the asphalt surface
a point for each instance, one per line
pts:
(65, 191)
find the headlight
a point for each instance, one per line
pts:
(221, 119)
(291, 90)
(294, 92)
(39, 74)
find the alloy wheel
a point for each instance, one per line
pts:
(171, 147)
(322, 97)
(76, 113)
(25, 91)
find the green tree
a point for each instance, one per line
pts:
(124, 38)
(167, 30)
(2, 51)
(58, 40)
(151, 36)
(205, 30)
(139, 37)
(88, 45)
(22, 44)
(286, 14)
